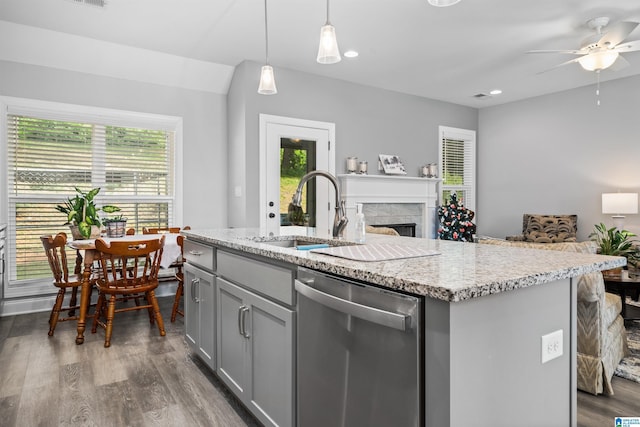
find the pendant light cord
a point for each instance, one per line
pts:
(328, 23)
(266, 34)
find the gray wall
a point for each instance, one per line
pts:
(557, 154)
(204, 125)
(368, 122)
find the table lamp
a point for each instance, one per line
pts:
(619, 204)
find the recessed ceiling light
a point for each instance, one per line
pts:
(495, 92)
(350, 54)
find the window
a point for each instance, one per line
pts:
(53, 148)
(458, 165)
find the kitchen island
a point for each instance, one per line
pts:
(486, 309)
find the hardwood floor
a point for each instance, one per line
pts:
(147, 380)
(141, 380)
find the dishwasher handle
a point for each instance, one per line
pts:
(375, 315)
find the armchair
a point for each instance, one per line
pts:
(602, 338)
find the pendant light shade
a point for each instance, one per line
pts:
(267, 79)
(443, 3)
(328, 52)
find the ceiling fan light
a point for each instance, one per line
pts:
(597, 61)
(328, 52)
(443, 3)
(267, 81)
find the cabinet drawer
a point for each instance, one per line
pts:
(200, 254)
(270, 280)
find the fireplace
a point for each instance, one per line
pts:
(407, 229)
(392, 200)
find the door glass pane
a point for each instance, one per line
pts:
(297, 157)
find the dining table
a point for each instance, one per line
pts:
(171, 252)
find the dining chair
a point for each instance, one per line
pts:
(177, 265)
(127, 268)
(54, 247)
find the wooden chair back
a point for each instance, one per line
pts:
(129, 266)
(54, 247)
(177, 265)
(127, 269)
(57, 257)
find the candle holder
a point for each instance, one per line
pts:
(352, 164)
(362, 168)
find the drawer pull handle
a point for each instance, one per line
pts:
(196, 253)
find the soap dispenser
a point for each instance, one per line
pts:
(360, 225)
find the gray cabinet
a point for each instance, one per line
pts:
(3, 261)
(199, 300)
(254, 340)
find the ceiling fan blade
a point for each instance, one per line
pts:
(620, 64)
(617, 33)
(631, 46)
(573, 52)
(571, 61)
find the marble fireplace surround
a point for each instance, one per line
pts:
(420, 195)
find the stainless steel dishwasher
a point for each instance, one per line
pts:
(359, 354)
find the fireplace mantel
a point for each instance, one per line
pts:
(392, 189)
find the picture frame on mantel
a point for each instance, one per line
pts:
(391, 164)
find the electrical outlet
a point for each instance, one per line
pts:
(551, 346)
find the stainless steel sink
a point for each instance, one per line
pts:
(296, 242)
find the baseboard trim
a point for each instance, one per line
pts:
(16, 306)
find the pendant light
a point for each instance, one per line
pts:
(443, 3)
(267, 80)
(328, 52)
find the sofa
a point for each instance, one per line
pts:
(602, 338)
(538, 228)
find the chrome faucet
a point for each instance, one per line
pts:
(340, 219)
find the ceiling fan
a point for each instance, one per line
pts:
(602, 49)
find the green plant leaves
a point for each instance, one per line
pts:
(110, 209)
(85, 229)
(81, 210)
(613, 241)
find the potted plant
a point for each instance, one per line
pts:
(82, 214)
(116, 226)
(612, 241)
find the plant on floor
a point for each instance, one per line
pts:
(612, 241)
(82, 212)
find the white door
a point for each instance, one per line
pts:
(316, 141)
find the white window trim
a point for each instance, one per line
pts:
(468, 136)
(80, 113)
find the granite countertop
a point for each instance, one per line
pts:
(460, 272)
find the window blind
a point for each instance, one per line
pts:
(457, 160)
(48, 157)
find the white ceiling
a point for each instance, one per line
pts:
(407, 46)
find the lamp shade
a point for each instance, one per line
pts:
(328, 52)
(267, 81)
(598, 60)
(619, 203)
(443, 3)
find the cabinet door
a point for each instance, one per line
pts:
(271, 362)
(199, 307)
(255, 352)
(191, 306)
(231, 316)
